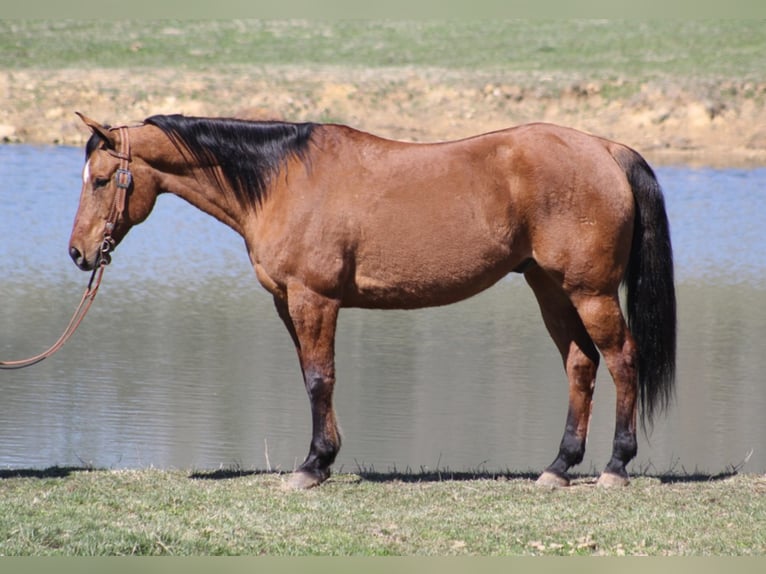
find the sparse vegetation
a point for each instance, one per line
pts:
(155, 512)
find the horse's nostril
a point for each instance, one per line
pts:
(75, 254)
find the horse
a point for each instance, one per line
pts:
(335, 217)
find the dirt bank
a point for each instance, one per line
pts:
(715, 124)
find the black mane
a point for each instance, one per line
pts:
(248, 153)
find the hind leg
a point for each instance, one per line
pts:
(580, 362)
(606, 325)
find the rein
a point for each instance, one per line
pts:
(123, 180)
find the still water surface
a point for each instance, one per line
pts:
(182, 362)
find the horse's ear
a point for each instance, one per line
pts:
(104, 133)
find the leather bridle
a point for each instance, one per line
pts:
(123, 179)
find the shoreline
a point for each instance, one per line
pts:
(719, 125)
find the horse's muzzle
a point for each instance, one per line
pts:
(79, 259)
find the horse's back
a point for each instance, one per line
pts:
(435, 222)
(401, 225)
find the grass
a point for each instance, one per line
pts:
(153, 512)
(599, 49)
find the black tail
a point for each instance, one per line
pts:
(651, 301)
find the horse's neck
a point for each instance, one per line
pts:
(207, 197)
(179, 177)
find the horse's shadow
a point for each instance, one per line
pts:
(467, 476)
(426, 476)
(43, 473)
(375, 476)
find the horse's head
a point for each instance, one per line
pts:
(117, 193)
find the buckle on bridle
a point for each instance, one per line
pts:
(107, 246)
(123, 178)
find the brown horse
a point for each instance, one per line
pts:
(334, 217)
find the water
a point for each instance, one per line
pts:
(183, 363)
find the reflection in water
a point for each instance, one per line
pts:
(182, 361)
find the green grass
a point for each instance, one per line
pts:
(600, 49)
(153, 512)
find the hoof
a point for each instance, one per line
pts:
(302, 480)
(609, 479)
(552, 480)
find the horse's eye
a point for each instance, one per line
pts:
(100, 182)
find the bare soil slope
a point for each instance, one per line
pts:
(721, 125)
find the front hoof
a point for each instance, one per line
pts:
(552, 480)
(303, 480)
(610, 479)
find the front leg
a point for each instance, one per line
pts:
(311, 320)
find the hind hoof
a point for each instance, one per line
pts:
(552, 480)
(609, 480)
(302, 480)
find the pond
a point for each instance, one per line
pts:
(183, 362)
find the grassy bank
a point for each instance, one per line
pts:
(151, 512)
(596, 48)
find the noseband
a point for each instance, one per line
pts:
(123, 179)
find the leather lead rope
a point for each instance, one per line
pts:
(85, 302)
